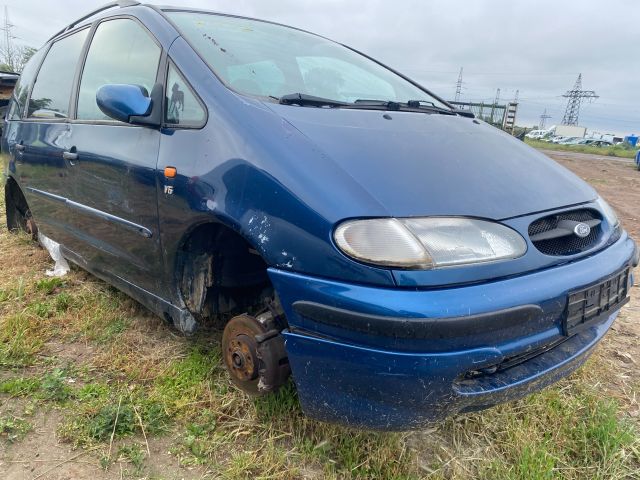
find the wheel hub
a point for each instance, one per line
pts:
(253, 351)
(242, 356)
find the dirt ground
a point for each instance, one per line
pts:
(41, 455)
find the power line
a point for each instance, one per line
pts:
(576, 97)
(459, 86)
(7, 47)
(543, 119)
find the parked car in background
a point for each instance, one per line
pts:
(537, 134)
(594, 142)
(404, 260)
(569, 141)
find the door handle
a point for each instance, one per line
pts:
(20, 147)
(70, 156)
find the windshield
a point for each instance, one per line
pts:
(267, 60)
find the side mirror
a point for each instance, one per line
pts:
(124, 102)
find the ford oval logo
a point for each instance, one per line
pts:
(582, 230)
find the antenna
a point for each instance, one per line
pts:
(576, 96)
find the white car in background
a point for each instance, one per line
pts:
(537, 134)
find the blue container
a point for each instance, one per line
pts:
(631, 140)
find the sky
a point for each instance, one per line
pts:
(537, 48)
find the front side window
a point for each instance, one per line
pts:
(268, 60)
(121, 52)
(52, 90)
(21, 90)
(182, 107)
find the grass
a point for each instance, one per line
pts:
(622, 151)
(119, 377)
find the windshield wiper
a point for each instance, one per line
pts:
(411, 105)
(304, 99)
(388, 104)
(427, 105)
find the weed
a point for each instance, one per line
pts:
(111, 419)
(13, 428)
(54, 387)
(18, 387)
(92, 392)
(19, 341)
(134, 454)
(62, 302)
(49, 285)
(41, 309)
(101, 410)
(113, 329)
(187, 380)
(20, 289)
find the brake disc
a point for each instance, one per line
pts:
(254, 353)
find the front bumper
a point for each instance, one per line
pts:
(399, 359)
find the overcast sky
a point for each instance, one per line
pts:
(536, 47)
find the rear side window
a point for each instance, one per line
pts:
(121, 52)
(21, 90)
(182, 106)
(52, 90)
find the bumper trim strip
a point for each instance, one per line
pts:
(418, 328)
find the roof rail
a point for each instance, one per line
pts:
(118, 3)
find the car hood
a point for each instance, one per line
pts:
(417, 164)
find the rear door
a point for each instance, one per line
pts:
(114, 163)
(40, 140)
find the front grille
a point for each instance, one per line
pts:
(553, 235)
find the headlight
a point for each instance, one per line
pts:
(608, 212)
(423, 243)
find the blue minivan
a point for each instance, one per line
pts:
(403, 260)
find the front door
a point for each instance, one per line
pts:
(114, 163)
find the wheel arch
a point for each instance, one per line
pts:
(220, 273)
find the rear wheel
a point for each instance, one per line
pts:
(254, 354)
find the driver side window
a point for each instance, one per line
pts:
(121, 52)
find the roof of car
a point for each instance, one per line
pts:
(157, 8)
